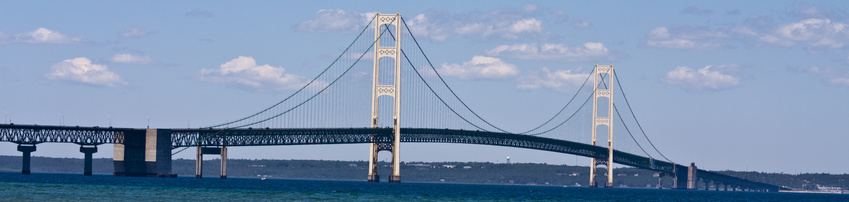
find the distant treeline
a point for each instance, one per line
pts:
(449, 172)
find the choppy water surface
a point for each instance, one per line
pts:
(75, 187)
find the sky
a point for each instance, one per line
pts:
(729, 85)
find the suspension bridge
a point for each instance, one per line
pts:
(331, 108)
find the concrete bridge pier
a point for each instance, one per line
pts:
(144, 152)
(692, 178)
(211, 150)
(88, 150)
(679, 180)
(199, 164)
(27, 149)
(660, 181)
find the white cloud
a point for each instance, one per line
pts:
(480, 67)
(831, 75)
(697, 10)
(41, 36)
(702, 79)
(840, 81)
(134, 32)
(83, 71)
(199, 13)
(813, 32)
(435, 26)
(581, 23)
(131, 59)
(560, 80)
(335, 20)
(244, 72)
(507, 26)
(4, 38)
(588, 51)
(423, 27)
(530, 7)
(686, 37)
(526, 25)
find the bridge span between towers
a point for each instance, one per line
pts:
(148, 151)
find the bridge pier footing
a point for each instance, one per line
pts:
(27, 149)
(395, 179)
(373, 178)
(88, 150)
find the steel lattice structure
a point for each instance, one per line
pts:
(35, 134)
(259, 137)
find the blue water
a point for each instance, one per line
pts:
(75, 187)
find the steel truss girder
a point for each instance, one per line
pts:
(383, 136)
(34, 134)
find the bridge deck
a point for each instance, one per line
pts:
(34, 134)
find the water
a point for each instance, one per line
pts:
(75, 187)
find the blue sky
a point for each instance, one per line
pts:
(740, 85)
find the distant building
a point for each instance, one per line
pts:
(449, 166)
(353, 165)
(830, 189)
(467, 167)
(419, 165)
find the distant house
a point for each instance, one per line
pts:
(449, 166)
(419, 165)
(575, 174)
(621, 174)
(467, 167)
(829, 189)
(656, 175)
(353, 165)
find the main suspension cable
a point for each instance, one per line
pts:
(469, 108)
(635, 116)
(309, 83)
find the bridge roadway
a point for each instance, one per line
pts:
(35, 134)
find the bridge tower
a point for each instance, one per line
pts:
(393, 89)
(603, 89)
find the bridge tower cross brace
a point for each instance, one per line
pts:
(387, 51)
(605, 74)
